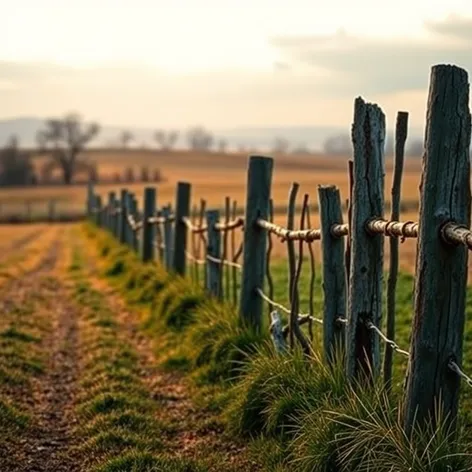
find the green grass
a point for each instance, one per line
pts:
(298, 415)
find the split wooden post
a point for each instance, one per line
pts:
(213, 268)
(334, 280)
(259, 182)
(168, 239)
(123, 216)
(182, 210)
(98, 210)
(148, 228)
(366, 262)
(440, 288)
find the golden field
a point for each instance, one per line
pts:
(215, 176)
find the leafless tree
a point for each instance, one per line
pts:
(64, 139)
(199, 139)
(166, 139)
(222, 145)
(125, 138)
(281, 146)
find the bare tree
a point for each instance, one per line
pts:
(199, 139)
(338, 145)
(64, 139)
(144, 174)
(166, 139)
(125, 138)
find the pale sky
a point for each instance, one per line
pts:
(225, 63)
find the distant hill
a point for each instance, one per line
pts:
(311, 137)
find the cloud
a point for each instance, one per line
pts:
(359, 65)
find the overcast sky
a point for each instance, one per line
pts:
(225, 63)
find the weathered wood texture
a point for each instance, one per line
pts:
(214, 269)
(182, 210)
(441, 269)
(110, 211)
(148, 228)
(98, 209)
(255, 240)
(123, 215)
(401, 131)
(334, 281)
(365, 274)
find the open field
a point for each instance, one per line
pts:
(213, 177)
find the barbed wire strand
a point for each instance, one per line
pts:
(391, 343)
(455, 368)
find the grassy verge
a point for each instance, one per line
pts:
(116, 410)
(297, 415)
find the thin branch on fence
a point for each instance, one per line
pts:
(230, 225)
(295, 295)
(312, 276)
(270, 281)
(199, 238)
(291, 259)
(400, 139)
(193, 238)
(454, 233)
(234, 274)
(289, 234)
(224, 256)
(394, 229)
(350, 167)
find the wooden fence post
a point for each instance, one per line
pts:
(182, 210)
(259, 182)
(134, 232)
(98, 209)
(123, 216)
(213, 269)
(168, 239)
(440, 288)
(366, 264)
(116, 219)
(111, 207)
(90, 199)
(334, 281)
(148, 228)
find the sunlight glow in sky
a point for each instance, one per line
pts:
(225, 62)
(188, 35)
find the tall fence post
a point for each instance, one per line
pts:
(148, 228)
(90, 198)
(116, 218)
(134, 232)
(259, 182)
(213, 269)
(440, 288)
(334, 281)
(182, 210)
(366, 265)
(123, 215)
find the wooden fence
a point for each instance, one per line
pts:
(352, 251)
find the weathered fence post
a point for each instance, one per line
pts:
(182, 210)
(148, 228)
(334, 281)
(440, 288)
(366, 264)
(259, 182)
(123, 215)
(134, 231)
(168, 239)
(110, 212)
(116, 218)
(213, 269)
(98, 210)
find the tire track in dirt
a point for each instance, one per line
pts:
(190, 436)
(46, 445)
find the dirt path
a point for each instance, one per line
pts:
(45, 446)
(191, 432)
